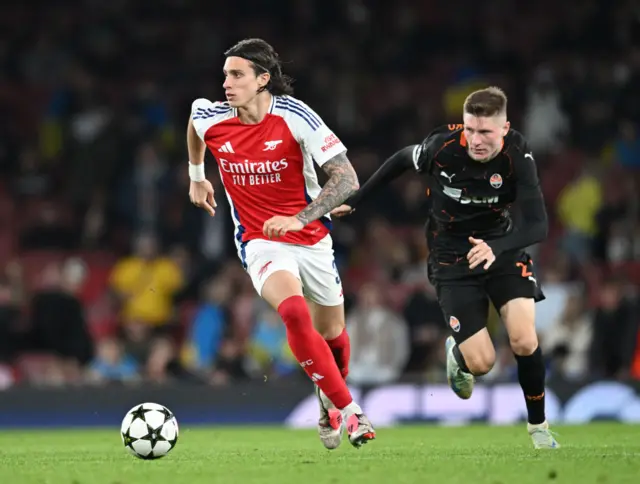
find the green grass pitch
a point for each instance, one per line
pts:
(597, 453)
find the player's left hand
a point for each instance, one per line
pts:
(481, 252)
(278, 226)
(342, 210)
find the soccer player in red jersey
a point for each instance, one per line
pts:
(265, 143)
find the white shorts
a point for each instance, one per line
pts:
(313, 265)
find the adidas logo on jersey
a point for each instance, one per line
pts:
(226, 148)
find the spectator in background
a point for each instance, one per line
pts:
(427, 328)
(558, 288)
(594, 121)
(627, 147)
(568, 340)
(578, 205)
(208, 327)
(80, 126)
(48, 229)
(181, 258)
(379, 339)
(268, 349)
(112, 364)
(141, 193)
(545, 124)
(230, 364)
(144, 285)
(96, 227)
(617, 212)
(32, 179)
(624, 242)
(380, 256)
(10, 338)
(615, 332)
(58, 326)
(183, 226)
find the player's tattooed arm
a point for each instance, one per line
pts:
(342, 183)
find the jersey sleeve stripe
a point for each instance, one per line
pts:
(212, 111)
(282, 104)
(306, 109)
(416, 151)
(219, 106)
(199, 115)
(239, 236)
(302, 112)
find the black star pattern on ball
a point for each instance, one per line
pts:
(173, 441)
(140, 412)
(154, 436)
(128, 440)
(167, 414)
(149, 456)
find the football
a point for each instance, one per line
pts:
(149, 431)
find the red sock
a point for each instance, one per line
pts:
(312, 351)
(341, 349)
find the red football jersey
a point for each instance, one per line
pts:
(267, 168)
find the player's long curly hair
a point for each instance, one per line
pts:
(263, 58)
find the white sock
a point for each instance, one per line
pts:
(532, 427)
(352, 408)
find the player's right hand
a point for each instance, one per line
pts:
(201, 195)
(342, 210)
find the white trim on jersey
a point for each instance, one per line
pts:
(273, 104)
(205, 114)
(239, 229)
(314, 137)
(416, 157)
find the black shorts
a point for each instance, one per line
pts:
(464, 295)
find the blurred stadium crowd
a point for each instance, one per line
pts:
(110, 275)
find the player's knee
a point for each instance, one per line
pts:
(480, 365)
(328, 320)
(524, 345)
(481, 360)
(329, 328)
(478, 353)
(331, 331)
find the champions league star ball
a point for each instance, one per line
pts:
(149, 431)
